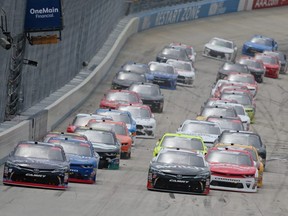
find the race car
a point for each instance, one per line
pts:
(189, 50)
(244, 138)
(256, 158)
(83, 160)
(281, 58)
(172, 52)
(114, 97)
(232, 170)
(150, 95)
(181, 141)
(271, 63)
(37, 164)
(222, 49)
(163, 75)
(123, 79)
(216, 110)
(256, 67)
(179, 171)
(228, 67)
(185, 71)
(209, 131)
(258, 44)
(135, 67)
(145, 121)
(106, 144)
(121, 131)
(227, 123)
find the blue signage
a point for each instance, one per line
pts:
(43, 15)
(186, 12)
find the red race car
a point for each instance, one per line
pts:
(115, 97)
(271, 64)
(232, 170)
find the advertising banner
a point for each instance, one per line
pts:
(187, 12)
(259, 4)
(43, 15)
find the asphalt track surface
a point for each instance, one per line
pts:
(123, 192)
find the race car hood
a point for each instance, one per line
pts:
(234, 169)
(219, 48)
(37, 163)
(125, 83)
(77, 159)
(258, 46)
(186, 73)
(179, 169)
(101, 147)
(162, 75)
(147, 121)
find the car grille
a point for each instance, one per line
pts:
(253, 50)
(161, 82)
(190, 186)
(226, 184)
(215, 54)
(184, 80)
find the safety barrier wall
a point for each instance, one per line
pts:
(47, 120)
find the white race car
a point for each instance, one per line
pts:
(221, 49)
(209, 131)
(185, 70)
(145, 121)
(189, 49)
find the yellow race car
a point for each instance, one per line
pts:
(180, 141)
(254, 154)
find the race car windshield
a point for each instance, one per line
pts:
(122, 117)
(118, 129)
(251, 63)
(240, 98)
(122, 96)
(181, 158)
(174, 53)
(137, 112)
(223, 156)
(75, 148)
(131, 76)
(180, 65)
(137, 68)
(201, 128)
(221, 43)
(242, 79)
(214, 111)
(235, 67)
(98, 136)
(146, 90)
(162, 68)
(182, 143)
(262, 41)
(239, 110)
(241, 138)
(39, 152)
(268, 59)
(227, 124)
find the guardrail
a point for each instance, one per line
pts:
(37, 125)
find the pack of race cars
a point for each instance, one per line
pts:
(216, 150)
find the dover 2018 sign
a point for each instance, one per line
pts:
(43, 15)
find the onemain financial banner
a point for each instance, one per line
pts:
(186, 12)
(43, 15)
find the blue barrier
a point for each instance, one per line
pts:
(187, 12)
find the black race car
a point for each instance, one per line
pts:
(173, 52)
(179, 171)
(135, 67)
(228, 67)
(150, 95)
(105, 144)
(123, 79)
(37, 164)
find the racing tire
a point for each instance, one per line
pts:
(125, 155)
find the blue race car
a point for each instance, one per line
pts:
(122, 116)
(162, 74)
(259, 44)
(84, 160)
